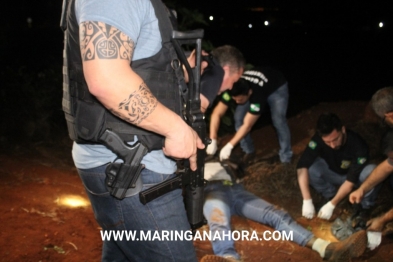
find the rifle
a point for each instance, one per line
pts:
(192, 181)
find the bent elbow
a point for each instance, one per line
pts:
(97, 86)
(97, 79)
(96, 89)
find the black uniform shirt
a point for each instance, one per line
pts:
(263, 82)
(349, 160)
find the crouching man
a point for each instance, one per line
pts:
(334, 163)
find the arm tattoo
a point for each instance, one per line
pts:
(139, 105)
(102, 41)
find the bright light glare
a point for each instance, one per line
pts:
(380, 24)
(72, 201)
(211, 18)
(249, 25)
(266, 23)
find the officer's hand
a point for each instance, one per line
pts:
(326, 211)
(375, 224)
(308, 209)
(356, 196)
(192, 60)
(226, 151)
(212, 147)
(183, 144)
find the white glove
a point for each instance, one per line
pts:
(212, 147)
(326, 211)
(226, 151)
(373, 239)
(308, 209)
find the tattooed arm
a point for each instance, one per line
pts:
(106, 55)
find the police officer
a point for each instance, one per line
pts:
(334, 163)
(256, 88)
(119, 76)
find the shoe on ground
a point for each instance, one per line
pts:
(353, 246)
(214, 258)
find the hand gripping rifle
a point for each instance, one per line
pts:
(192, 181)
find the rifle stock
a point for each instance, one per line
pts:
(192, 181)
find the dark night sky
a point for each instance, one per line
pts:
(307, 10)
(334, 13)
(329, 50)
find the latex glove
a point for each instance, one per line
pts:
(212, 147)
(226, 151)
(373, 239)
(308, 209)
(326, 211)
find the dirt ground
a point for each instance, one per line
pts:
(40, 189)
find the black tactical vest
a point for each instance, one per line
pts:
(86, 117)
